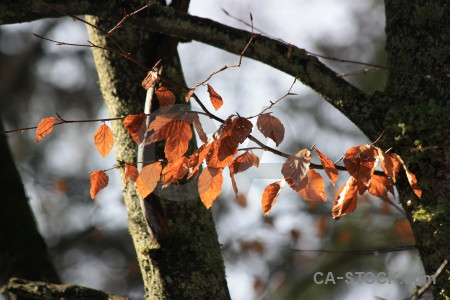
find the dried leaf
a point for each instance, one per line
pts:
(241, 129)
(295, 168)
(131, 172)
(271, 127)
(196, 159)
(389, 164)
(149, 80)
(99, 180)
(346, 199)
(103, 140)
(329, 167)
(44, 127)
(210, 185)
(178, 134)
(411, 177)
(360, 162)
(198, 127)
(270, 195)
(136, 126)
(314, 187)
(174, 171)
(165, 97)
(380, 185)
(216, 99)
(148, 179)
(243, 162)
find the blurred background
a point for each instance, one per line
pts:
(89, 240)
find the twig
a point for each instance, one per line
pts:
(118, 25)
(359, 252)
(426, 286)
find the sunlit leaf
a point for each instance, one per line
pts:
(380, 185)
(360, 162)
(314, 187)
(131, 172)
(103, 140)
(165, 97)
(270, 195)
(174, 171)
(196, 159)
(148, 179)
(295, 169)
(271, 127)
(44, 127)
(210, 185)
(99, 180)
(346, 199)
(215, 98)
(411, 177)
(149, 80)
(389, 164)
(243, 162)
(329, 167)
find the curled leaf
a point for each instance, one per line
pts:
(149, 80)
(103, 140)
(346, 200)
(215, 98)
(314, 187)
(165, 97)
(295, 169)
(99, 180)
(411, 177)
(329, 167)
(271, 127)
(270, 195)
(136, 126)
(44, 127)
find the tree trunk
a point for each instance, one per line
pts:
(181, 259)
(416, 113)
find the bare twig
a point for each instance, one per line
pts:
(426, 286)
(359, 252)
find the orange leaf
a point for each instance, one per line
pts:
(243, 162)
(346, 199)
(210, 185)
(295, 168)
(148, 179)
(149, 80)
(329, 167)
(241, 129)
(380, 185)
(136, 126)
(271, 127)
(131, 172)
(178, 135)
(99, 180)
(216, 99)
(196, 159)
(103, 140)
(411, 177)
(44, 128)
(270, 195)
(174, 171)
(314, 188)
(360, 162)
(165, 97)
(389, 164)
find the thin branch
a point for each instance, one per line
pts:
(426, 286)
(359, 252)
(118, 25)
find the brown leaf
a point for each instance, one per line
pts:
(345, 199)
(210, 185)
(99, 180)
(131, 172)
(270, 195)
(295, 168)
(243, 162)
(241, 129)
(360, 162)
(380, 185)
(271, 127)
(411, 177)
(216, 99)
(198, 127)
(389, 164)
(165, 97)
(44, 127)
(196, 159)
(149, 80)
(329, 167)
(314, 187)
(136, 126)
(178, 135)
(241, 200)
(103, 140)
(148, 179)
(174, 171)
